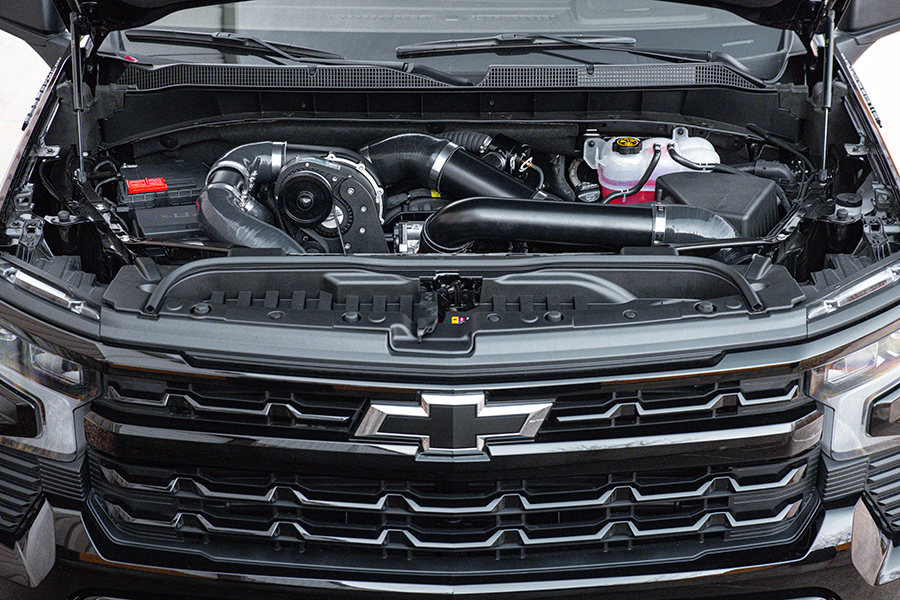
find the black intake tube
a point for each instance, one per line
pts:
(443, 166)
(222, 221)
(457, 225)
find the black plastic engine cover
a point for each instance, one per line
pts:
(747, 202)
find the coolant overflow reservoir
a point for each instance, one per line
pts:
(621, 161)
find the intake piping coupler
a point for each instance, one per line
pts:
(457, 225)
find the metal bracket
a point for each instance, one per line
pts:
(43, 151)
(860, 149)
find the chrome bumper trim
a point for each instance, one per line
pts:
(31, 557)
(834, 533)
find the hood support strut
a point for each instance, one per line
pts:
(78, 93)
(828, 89)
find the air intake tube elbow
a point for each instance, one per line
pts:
(457, 225)
(226, 211)
(444, 166)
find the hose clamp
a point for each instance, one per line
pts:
(659, 224)
(229, 164)
(434, 177)
(235, 193)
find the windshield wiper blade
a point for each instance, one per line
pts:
(229, 41)
(518, 42)
(511, 41)
(296, 54)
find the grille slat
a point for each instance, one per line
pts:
(323, 413)
(883, 486)
(20, 487)
(456, 515)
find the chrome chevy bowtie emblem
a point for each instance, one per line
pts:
(453, 423)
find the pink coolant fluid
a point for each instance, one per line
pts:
(622, 161)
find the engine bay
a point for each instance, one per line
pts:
(269, 186)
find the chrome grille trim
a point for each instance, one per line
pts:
(716, 402)
(792, 477)
(265, 411)
(607, 531)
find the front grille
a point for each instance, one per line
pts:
(613, 512)
(225, 469)
(333, 412)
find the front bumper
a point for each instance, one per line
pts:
(826, 571)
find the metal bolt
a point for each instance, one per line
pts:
(350, 191)
(201, 309)
(629, 314)
(363, 209)
(347, 246)
(362, 230)
(705, 306)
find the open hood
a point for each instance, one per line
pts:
(38, 21)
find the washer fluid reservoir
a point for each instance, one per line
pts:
(621, 161)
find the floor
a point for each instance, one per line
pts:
(22, 72)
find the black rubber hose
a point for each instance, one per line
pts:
(715, 167)
(473, 141)
(443, 166)
(783, 145)
(657, 152)
(770, 170)
(457, 225)
(557, 179)
(222, 221)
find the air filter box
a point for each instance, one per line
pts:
(746, 201)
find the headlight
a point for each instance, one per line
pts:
(854, 369)
(44, 367)
(39, 392)
(862, 389)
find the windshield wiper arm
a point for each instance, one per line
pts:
(296, 54)
(511, 41)
(540, 42)
(232, 42)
